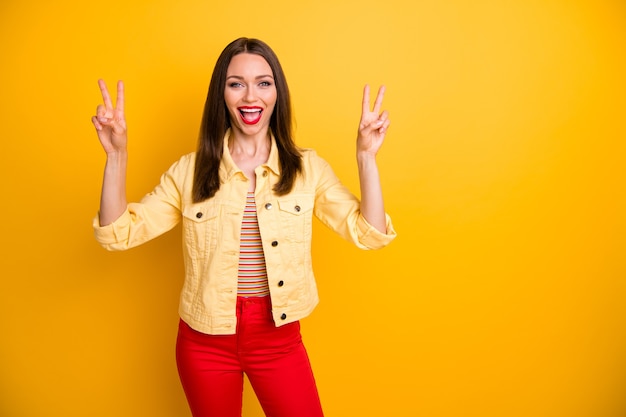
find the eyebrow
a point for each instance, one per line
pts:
(258, 77)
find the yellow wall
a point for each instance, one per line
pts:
(504, 172)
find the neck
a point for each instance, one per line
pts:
(249, 146)
(248, 153)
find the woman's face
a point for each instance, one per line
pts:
(250, 94)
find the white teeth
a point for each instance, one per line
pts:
(250, 110)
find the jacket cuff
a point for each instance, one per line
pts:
(114, 232)
(372, 238)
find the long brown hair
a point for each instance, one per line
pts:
(216, 121)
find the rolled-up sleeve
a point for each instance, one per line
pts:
(156, 213)
(372, 238)
(113, 234)
(339, 209)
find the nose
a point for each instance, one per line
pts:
(250, 95)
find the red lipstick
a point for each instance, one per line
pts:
(250, 115)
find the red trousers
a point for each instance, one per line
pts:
(274, 359)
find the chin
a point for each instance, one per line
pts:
(250, 130)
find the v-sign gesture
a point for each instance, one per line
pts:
(373, 125)
(109, 120)
(372, 129)
(111, 128)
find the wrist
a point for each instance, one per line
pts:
(117, 160)
(117, 155)
(364, 157)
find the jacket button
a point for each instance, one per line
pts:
(198, 215)
(283, 316)
(297, 208)
(275, 243)
(264, 173)
(268, 206)
(281, 283)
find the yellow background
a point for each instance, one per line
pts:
(503, 171)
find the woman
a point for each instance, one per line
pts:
(246, 199)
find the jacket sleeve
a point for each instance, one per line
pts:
(339, 209)
(156, 213)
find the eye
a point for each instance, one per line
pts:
(265, 83)
(235, 84)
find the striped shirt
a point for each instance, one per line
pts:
(252, 275)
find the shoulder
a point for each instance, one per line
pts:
(181, 170)
(188, 159)
(184, 163)
(315, 168)
(310, 158)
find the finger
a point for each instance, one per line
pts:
(368, 128)
(380, 121)
(378, 124)
(101, 111)
(385, 126)
(103, 116)
(95, 122)
(366, 99)
(114, 125)
(379, 99)
(119, 101)
(105, 94)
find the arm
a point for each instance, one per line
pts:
(110, 126)
(372, 129)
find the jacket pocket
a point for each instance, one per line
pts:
(295, 213)
(200, 225)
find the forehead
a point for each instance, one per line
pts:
(248, 64)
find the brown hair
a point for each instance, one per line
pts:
(216, 120)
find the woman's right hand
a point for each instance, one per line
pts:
(109, 121)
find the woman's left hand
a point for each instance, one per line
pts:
(373, 125)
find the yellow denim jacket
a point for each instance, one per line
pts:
(211, 231)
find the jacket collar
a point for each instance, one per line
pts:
(228, 167)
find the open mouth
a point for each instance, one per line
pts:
(250, 115)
